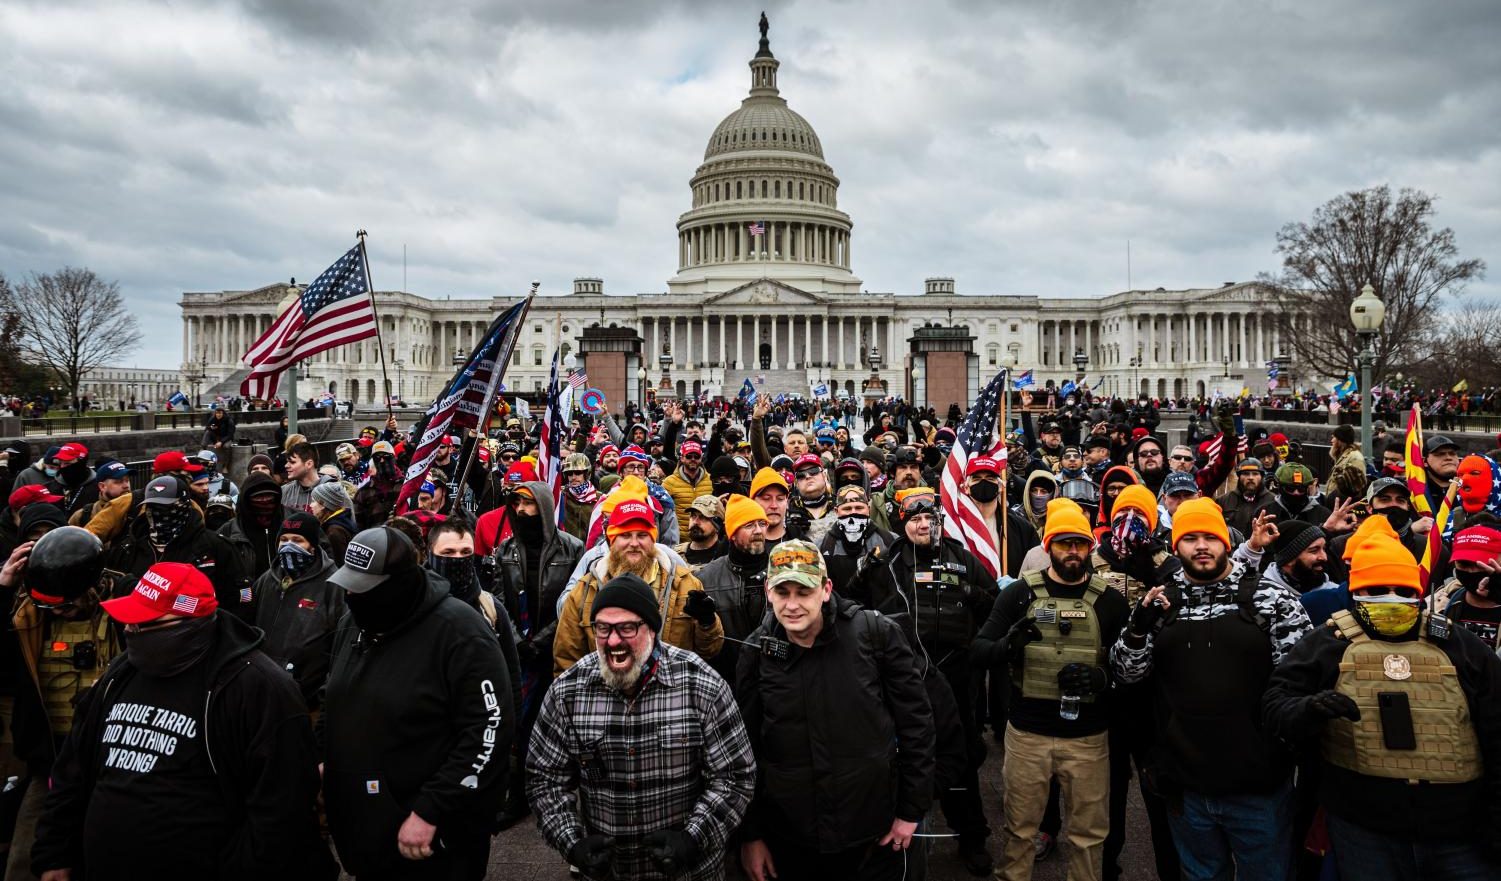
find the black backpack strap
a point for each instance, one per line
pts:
(1245, 598)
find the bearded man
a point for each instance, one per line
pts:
(652, 740)
(687, 614)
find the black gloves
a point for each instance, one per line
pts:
(592, 853)
(526, 650)
(1144, 618)
(700, 607)
(1333, 705)
(1016, 639)
(672, 850)
(1082, 679)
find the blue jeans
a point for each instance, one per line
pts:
(1374, 856)
(1247, 837)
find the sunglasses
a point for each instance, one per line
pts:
(1182, 458)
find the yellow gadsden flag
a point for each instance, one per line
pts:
(1462, 386)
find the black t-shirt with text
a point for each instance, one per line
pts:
(156, 804)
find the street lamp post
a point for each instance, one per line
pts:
(1081, 360)
(1136, 375)
(400, 365)
(1366, 313)
(641, 387)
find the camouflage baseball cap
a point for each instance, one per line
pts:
(796, 561)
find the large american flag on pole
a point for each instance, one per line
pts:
(550, 442)
(463, 402)
(977, 436)
(336, 308)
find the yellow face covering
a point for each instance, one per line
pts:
(1388, 615)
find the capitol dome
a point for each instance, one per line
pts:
(765, 202)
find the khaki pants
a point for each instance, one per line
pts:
(1082, 766)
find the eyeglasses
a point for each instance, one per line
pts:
(1149, 454)
(692, 457)
(626, 629)
(507, 457)
(1182, 458)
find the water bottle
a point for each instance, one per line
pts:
(1068, 707)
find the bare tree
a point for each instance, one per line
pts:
(1465, 345)
(1366, 237)
(72, 322)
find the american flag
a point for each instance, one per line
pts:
(757, 229)
(578, 380)
(462, 402)
(336, 308)
(550, 442)
(977, 436)
(184, 605)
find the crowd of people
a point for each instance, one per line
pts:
(744, 638)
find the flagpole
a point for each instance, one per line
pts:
(380, 345)
(501, 362)
(1004, 511)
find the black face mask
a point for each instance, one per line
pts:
(985, 491)
(166, 522)
(171, 649)
(728, 486)
(1399, 518)
(463, 580)
(385, 467)
(528, 527)
(387, 605)
(75, 474)
(1294, 503)
(1470, 580)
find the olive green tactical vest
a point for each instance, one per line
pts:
(61, 681)
(1448, 750)
(1037, 676)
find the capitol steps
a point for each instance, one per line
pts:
(777, 382)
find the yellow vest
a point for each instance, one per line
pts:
(1448, 750)
(1037, 676)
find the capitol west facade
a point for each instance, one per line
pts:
(783, 308)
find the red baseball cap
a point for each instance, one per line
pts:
(1139, 432)
(453, 441)
(981, 464)
(72, 452)
(632, 511)
(165, 589)
(35, 492)
(1277, 438)
(172, 460)
(691, 448)
(806, 460)
(1478, 544)
(521, 471)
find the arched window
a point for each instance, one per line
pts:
(716, 192)
(776, 189)
(739, 190)
(763, 187)
(800, 191)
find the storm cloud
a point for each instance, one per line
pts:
(1014, 146)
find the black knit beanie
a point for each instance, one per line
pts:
(1293, 538)
(629, 592)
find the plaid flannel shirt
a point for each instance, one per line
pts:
(675, 757)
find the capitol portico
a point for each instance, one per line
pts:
(764, 289)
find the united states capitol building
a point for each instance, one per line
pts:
(766, 288)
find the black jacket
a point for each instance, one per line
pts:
(936, 630)
(254, 545)
(260, 744)
(298, 621)
(842, 731)
(212, 555)
(740, 598)
(419, 719)
(1445, 811)
(560, 554)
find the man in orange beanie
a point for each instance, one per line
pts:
(1208, 637)
(689, 620)
(1402, 800)
(1053, 628)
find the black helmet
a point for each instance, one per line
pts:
(64, 564)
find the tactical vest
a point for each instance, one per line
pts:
(1448, 750)
(1076, 642)
(940, 611)
(60, 678)
(1120, 582)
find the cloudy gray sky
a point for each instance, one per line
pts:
(1014, 146)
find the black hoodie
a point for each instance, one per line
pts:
(418, 719)
(255, 545)
(252, 816)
